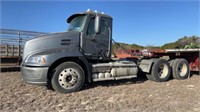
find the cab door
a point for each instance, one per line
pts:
(96, 45)
(103, 39)
(89, 45)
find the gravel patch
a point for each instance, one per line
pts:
(136, 95)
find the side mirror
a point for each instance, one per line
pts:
(97, 25)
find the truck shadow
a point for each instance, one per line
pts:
(138, 80)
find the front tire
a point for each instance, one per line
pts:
(68, 77)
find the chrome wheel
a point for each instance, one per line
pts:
(68, 78)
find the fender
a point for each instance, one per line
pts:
(146, 65)
(88, 67)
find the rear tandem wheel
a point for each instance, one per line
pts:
(160, 71)
(180, 69)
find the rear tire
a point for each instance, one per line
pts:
(180, 69)
(68, 77)
(149, 77)
(161, 71)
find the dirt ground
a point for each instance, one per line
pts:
(136, 95)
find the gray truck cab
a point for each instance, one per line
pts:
(88, 40)
(67, 60)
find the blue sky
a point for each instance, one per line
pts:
(141, 22)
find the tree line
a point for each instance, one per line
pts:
(186, 42)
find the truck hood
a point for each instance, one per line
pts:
(51, 43)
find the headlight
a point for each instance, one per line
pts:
(36, 60)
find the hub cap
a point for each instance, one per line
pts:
(68, 78)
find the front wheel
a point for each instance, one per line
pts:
(68, 77)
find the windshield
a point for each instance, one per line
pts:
(77, 23)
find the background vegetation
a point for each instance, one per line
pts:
(185, 42)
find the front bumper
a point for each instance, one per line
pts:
(34, 75)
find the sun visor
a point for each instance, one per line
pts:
(72, 17)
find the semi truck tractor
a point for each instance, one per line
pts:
(82, 54)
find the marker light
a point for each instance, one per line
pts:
(89, 10)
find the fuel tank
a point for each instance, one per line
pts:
(114, 70)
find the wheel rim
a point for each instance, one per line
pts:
(163, 70)
(68, 78)
(182, 69)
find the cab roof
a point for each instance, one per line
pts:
(88, 13)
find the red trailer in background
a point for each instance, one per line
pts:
(191, 55)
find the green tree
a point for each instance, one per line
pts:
(184, 42)
(191, 45)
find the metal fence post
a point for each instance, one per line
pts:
(19, 49)
(13, 50)
(199, 62)
(19, 45)
(6, 49)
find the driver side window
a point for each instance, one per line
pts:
(104, 28)
(90, 30)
